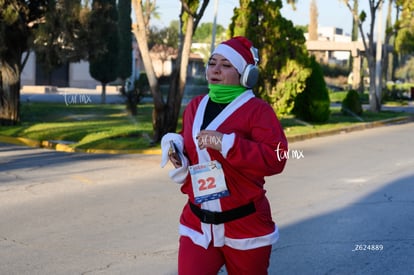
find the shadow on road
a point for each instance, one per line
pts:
(373, 235)
(26, 157)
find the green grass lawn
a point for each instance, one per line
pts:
(85, 126)
(109, 127)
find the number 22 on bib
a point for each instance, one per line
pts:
(208, 181)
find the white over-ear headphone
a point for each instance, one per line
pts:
(250, 73)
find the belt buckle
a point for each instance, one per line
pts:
(209, 217)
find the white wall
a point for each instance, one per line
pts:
(79, 76)
(28, 75)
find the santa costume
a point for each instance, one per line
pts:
(239, 217)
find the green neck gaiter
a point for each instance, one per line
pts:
(224, 93)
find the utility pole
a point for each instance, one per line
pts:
(213, 38)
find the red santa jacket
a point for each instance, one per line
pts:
(256, 142)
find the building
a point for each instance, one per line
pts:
(332, 34)
(76, 75)
(163, 60)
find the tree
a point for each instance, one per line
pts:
(406, 71)
(354, 33)
(63, 36)
(165, 114)
(284, 64)
(395, 55)
(18, 20)
(304, 28)
(204, 32)
(405, 38)
(104, 31)
(401, 34)
(125, 55)
(190, 16)
(389, 33)
(164, 44)
(370, 52)
(313, 103)
(351, 104)
(164, 41)
(166, 37)
(313, 22)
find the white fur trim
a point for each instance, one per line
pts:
(197, 237)
(232, 55)
(204, 239)
(255, 242)
(227, 143)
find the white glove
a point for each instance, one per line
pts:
(178, 175)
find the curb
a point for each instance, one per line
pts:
(64, 147)
(348, 129)
(61, 146)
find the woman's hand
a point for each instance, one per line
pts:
(174, 156)
(175, 160)
(209, 139)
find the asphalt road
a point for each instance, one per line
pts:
(344, 205)
(347, 207)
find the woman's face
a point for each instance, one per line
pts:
(221, 71)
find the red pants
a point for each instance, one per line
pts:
(194, 259)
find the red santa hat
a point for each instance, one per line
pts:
(238, 51)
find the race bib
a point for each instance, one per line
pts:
(208, 181)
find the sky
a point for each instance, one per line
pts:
(331, 13)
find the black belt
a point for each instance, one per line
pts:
(211, 217)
